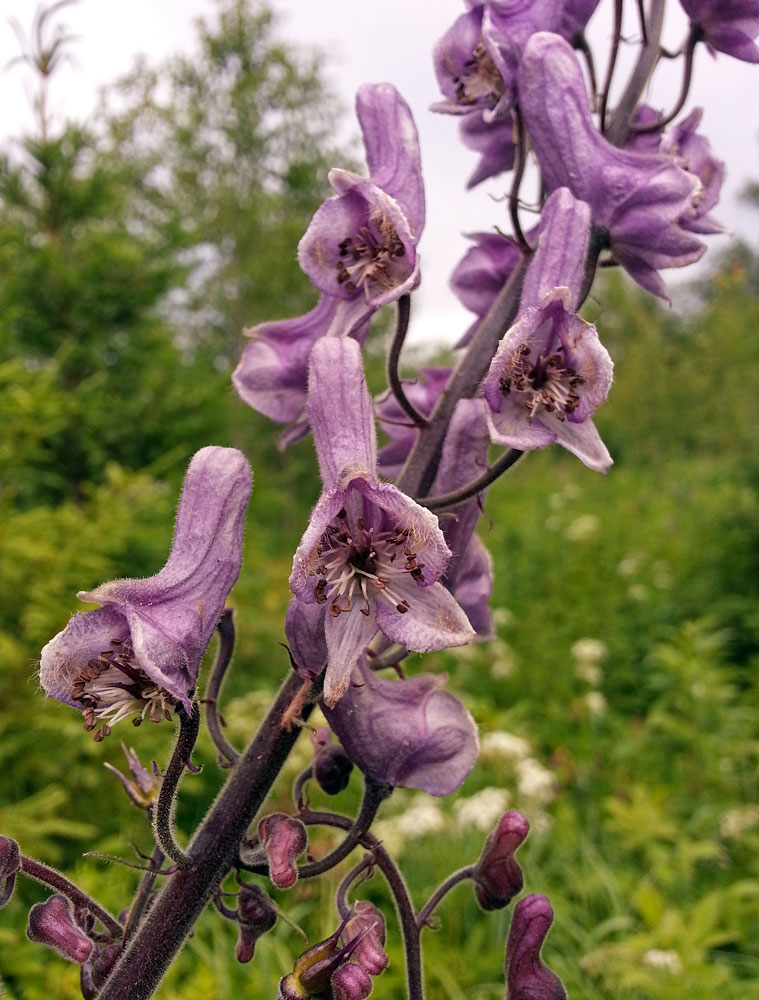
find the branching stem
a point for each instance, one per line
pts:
(455, 497)
(393, 363)
(163, 818)
(50, 877)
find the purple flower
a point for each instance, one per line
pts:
(138, 655)
(423, 392)
(549, 374)
(361, 243)
(692, 153)
(726, 25)
(255, 916)
(359, 251)
(366, 921)
(370, 556)
(527, 978)
(550, 371)
(497, 875)
(52, 923)
(406, 733)
(283, 839)
(638, 201)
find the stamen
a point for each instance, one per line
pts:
(368, 260)
(547, 383)
(114, 687)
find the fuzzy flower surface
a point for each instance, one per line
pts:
(359, 251)
(407, 733)
(638, 200)
(550, 371)
(527, 977)
(728, 26)
(138, 655)
(370, 558)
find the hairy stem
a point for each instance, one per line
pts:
(137, 909)
(53, 879)
(404, 907)
(647, 59)
(163, 818)
(212, 853)
(442, 890)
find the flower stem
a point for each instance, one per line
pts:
(426, 911)
(140, 901)
(647, 59)
(411, 940)
(616, 35)
(375, 793)
(50, 877)
(163, 819)
(504, 462)
(226, 630)
(393, 361)
(212, 852)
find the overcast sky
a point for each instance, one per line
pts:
(371, 43)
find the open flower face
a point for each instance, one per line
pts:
(361, 244)
(138, 655)
(370, 556)
(549, 374)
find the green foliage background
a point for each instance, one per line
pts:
(636, 761)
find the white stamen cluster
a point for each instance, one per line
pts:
(356, 562)
(367, 260)
(547, 382)
(113, 687)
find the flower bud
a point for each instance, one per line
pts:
(256, 916)
(332, 768)
(314, 970)
(351, 982)
(367, 922)
(10, 863)
(283, 839)
(526, 976)
(103, 964)
(52, 923)
(144, 789)
(497, 876)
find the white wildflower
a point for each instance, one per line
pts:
(483, 809)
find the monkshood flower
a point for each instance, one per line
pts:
(477, 58)
(366, 921)
(728, 26)
(527, 978)
(282, 839)
(138, 655)
(550, 371)
(637, 200)
(52, 923)
(692, 152)
(359, 251)
(370, 557)
(497, 875)
(423, 392)
(407, 733)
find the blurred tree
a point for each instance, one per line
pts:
(236, 139)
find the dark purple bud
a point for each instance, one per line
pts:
(103, 964)
(332, 766)
(497, 876)
(52, 923)
(314, 969)
(283, 839)
(367, 922)
(351, 982)
(526, 976)
(144, 789)
(256, 916)
(10, 863)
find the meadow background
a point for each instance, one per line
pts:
(618, 705)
